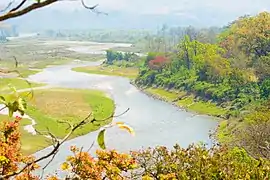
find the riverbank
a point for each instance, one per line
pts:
(179, 99)
(129, 72)
(188, 102)
(185, 101)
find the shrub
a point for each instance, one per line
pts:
(198, 162)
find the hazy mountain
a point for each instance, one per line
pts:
(84, 19)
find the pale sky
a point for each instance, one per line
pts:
(169, 6)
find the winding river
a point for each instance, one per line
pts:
(155, 122)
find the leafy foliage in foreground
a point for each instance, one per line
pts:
(198, 162)
(159, 163)
(10, 155)
(108, 164)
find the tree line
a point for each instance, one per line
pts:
(126, 59)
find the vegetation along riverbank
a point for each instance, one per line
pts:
(123, 64)
(227, 77)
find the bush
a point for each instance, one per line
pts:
(198, 162)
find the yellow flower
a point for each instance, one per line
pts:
(65, 166)
(3, 160)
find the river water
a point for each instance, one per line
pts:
(155, 122)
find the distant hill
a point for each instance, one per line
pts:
(56, 19)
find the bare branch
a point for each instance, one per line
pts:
(122, 113)
(16, 62)
(66, 122)
(7, 7)
(17, 7)
(3, 108)
(26, 10)
(50, 161)
(15, 12)
(92, 8)
(88, 7)
(91, 146)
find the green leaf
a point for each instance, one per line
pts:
(21, 112)
(10, 111)
(22, 104)
(12, 88)
(2, 100)
(100, 139)
(15, 106)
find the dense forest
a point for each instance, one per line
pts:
(231, 70)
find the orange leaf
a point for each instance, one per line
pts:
(126, 127)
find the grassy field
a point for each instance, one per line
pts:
(6, 83)
(50, 106)
(110, 70)
(166, 95)
(188, 102)
(27, 72)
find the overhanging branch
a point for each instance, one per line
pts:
(15, 12)
(7, 7)
(18, 7)
(26, 10)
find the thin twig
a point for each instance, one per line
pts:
(26, 10)
(16, 13)
(7, 7)
(43, 169)
(90, 146)
(92, 8)
(17, 7)
(3, 108)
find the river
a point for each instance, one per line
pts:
(155, 122)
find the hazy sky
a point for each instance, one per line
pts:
(179, 12)
(170, 6)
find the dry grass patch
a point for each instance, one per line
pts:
(129, 72)
(53, 105)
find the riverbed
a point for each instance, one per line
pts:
(154, 122)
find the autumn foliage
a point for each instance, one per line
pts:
(107, 164)
(199, 162)
(10, 154)
(158, 62)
